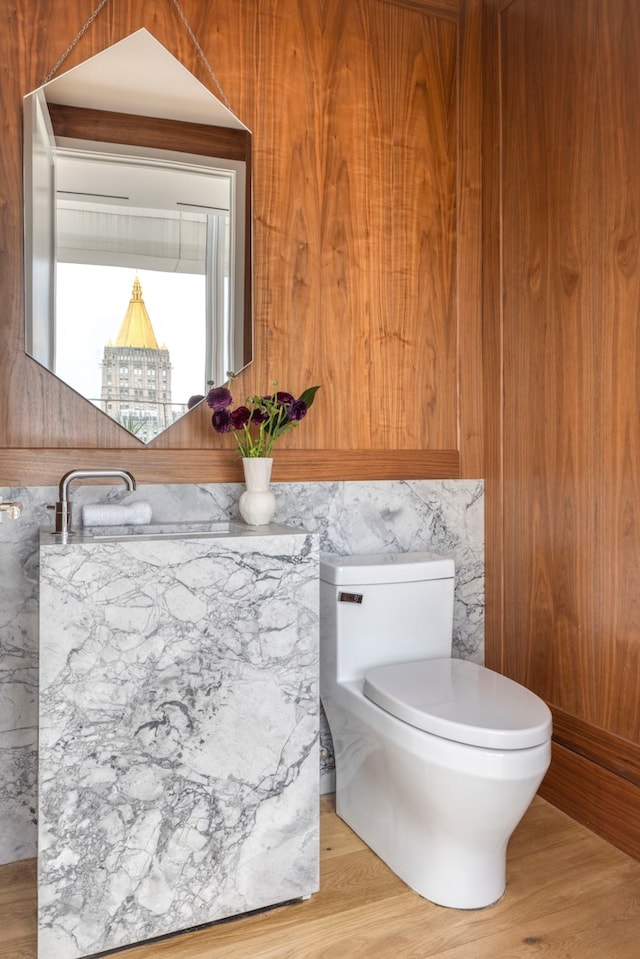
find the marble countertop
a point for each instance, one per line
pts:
(185, 529)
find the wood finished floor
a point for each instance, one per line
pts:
(570, 895)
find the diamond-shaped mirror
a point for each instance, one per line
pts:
(137, 234)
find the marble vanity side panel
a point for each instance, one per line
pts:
(178, 735)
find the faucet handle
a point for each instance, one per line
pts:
(12, 510)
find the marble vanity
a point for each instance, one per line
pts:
(178, 730)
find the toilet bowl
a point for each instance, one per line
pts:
(437, 759)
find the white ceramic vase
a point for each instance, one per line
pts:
(257, 504)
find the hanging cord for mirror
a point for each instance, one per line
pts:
(66, 53)
(187, 27)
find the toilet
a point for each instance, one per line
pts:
(437, 759)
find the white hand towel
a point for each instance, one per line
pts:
(116, 514)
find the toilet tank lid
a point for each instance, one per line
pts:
(370, 568)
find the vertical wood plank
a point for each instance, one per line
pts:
(472, 69)
(570, 295)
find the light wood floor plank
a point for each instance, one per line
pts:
(570, 896)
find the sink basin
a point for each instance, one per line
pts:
(152, 530)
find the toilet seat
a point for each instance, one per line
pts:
(461, 701)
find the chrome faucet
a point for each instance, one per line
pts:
(63, 506)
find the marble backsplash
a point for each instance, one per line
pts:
(445, 516)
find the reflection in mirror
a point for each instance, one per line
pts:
(137, 235)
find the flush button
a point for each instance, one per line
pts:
(350, 597)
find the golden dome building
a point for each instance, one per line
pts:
(136, 375)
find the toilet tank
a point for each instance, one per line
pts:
(384, 608)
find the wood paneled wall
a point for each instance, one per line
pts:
(365, 120)
(562, 270)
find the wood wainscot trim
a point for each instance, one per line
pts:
(595, 778)
(620, 756)
(596, 797)
(45, 467)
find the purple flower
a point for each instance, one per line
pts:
(297, 410)
(221, 421)
(218, 398)
(240, 417)
(260, 420)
